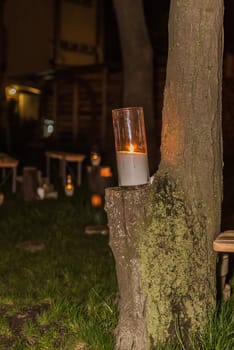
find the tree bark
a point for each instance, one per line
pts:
(191, 141)
(138, 71)
(161, 235)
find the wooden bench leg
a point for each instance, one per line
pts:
(48, 167)
(224, 269)
(79, 173)
(225, 288)
(63, 165)
(14, 180)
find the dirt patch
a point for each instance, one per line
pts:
(16, 322)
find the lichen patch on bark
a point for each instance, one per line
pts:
(174, 263)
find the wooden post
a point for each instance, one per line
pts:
(96, 182)
(104, 75)
(55, 106)
(30, 183)
(75, 112)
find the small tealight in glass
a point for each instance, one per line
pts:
(69, 187)
(131, 147)
(95, 158)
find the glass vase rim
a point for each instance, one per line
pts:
(126, 108)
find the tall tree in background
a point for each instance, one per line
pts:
(2, 42)
(4, 123)
(161, 234)
(137, 56)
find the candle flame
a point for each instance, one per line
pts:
(131, 148)
(69, 186)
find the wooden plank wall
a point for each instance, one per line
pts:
(81, 105)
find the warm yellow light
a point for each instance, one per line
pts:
(105, 172)
(69, 187)
(12, 91)
(1, 198)
(131, 148)
(94, 156)
(96, 200)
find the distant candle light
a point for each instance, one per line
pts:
(69, 187)
(131, 148)
(95, 158)
(12, 91)
(105, 171)
(96, 200)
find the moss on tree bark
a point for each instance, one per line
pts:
(164, 268)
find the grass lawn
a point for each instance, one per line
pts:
(63, 297)
(60, 297)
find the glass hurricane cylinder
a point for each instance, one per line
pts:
(131, 147)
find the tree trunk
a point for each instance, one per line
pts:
(137, 56)
(161, 235)
(4, 122)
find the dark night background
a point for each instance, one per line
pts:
(156, 13)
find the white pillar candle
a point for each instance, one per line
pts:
(132, 168)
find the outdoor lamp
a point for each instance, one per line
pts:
(130, 145)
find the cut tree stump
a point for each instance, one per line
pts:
(161, 264)
(124, 209)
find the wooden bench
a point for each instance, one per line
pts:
(224, 243)
(7, 161)
(64, 158)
